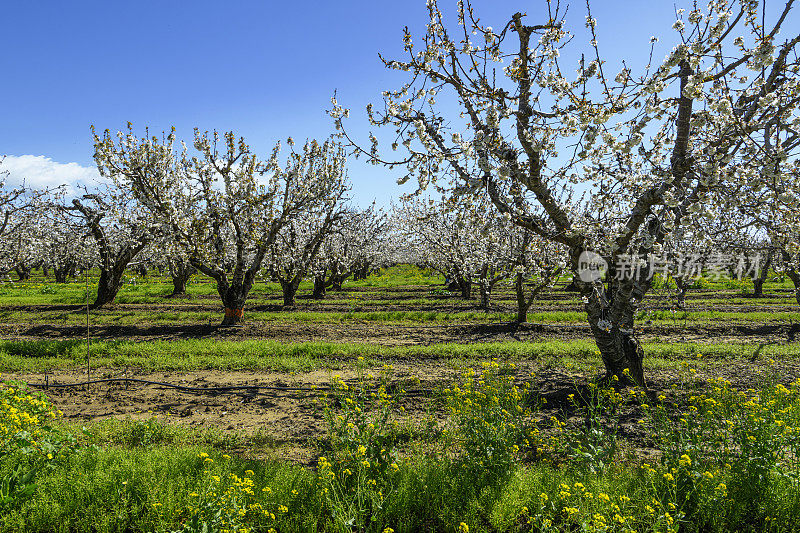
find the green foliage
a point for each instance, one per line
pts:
(748, 439)
(489, 416)
(743, 286)
(364, 464)
(145, 433)
(225, 501)
(594, 447)
(29, 443)
(48, 289)
(727, 460)
(662, 284)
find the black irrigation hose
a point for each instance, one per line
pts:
(481, 324)
(204, 390)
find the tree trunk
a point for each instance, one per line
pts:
(758, 281)
(451, 284)
(522, 303)
(486, 293)
(464, 285)
(62, 272)
(572, 286)
(361, 273)
(181, 272)
(758, 287)
(23, 272)
(682, 285)
(45, 271)
(319, 287)
(485, 287)
(142, 270)
(466, 290)
(233, 298)
(621, 353)
(289, 288)
(337, 282)
(109, 284)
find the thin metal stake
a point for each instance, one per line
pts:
(88, 367)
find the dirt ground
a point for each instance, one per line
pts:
(402, 298)
(294, 423)
(388, 334)
(291, 418)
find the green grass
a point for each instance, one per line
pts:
(40, 291)
(198, 354)
(148, 476)
(139, 475)
(111, 489)
(177, 317)
(147, 489)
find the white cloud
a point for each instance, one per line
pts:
(39, 172)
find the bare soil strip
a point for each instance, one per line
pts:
(296, 423)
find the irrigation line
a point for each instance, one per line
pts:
(208, 390)
(480, 324)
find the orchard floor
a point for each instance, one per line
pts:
(293, 423)
(399, 334)
(421, 339)
(403, 308)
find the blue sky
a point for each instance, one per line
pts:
(265, 70)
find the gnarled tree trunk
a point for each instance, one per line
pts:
(621, 352)
(289, 289)
(763, 272)
(233, 298)
(180, 271)
(23, 272)
(320, 287)
(109, 284)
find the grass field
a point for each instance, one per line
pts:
(393, 405)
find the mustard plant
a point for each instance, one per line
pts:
(490, 414)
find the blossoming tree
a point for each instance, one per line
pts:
(471, 244)
(598, 161)
(297, 245)
(224, 206)
(356, 246)
(121, 229)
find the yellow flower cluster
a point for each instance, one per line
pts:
(229, 502)
(22, 411)
(584, 510)
(489, 412)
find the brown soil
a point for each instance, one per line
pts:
(296, 425)
(292, 419)
(388, 334)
